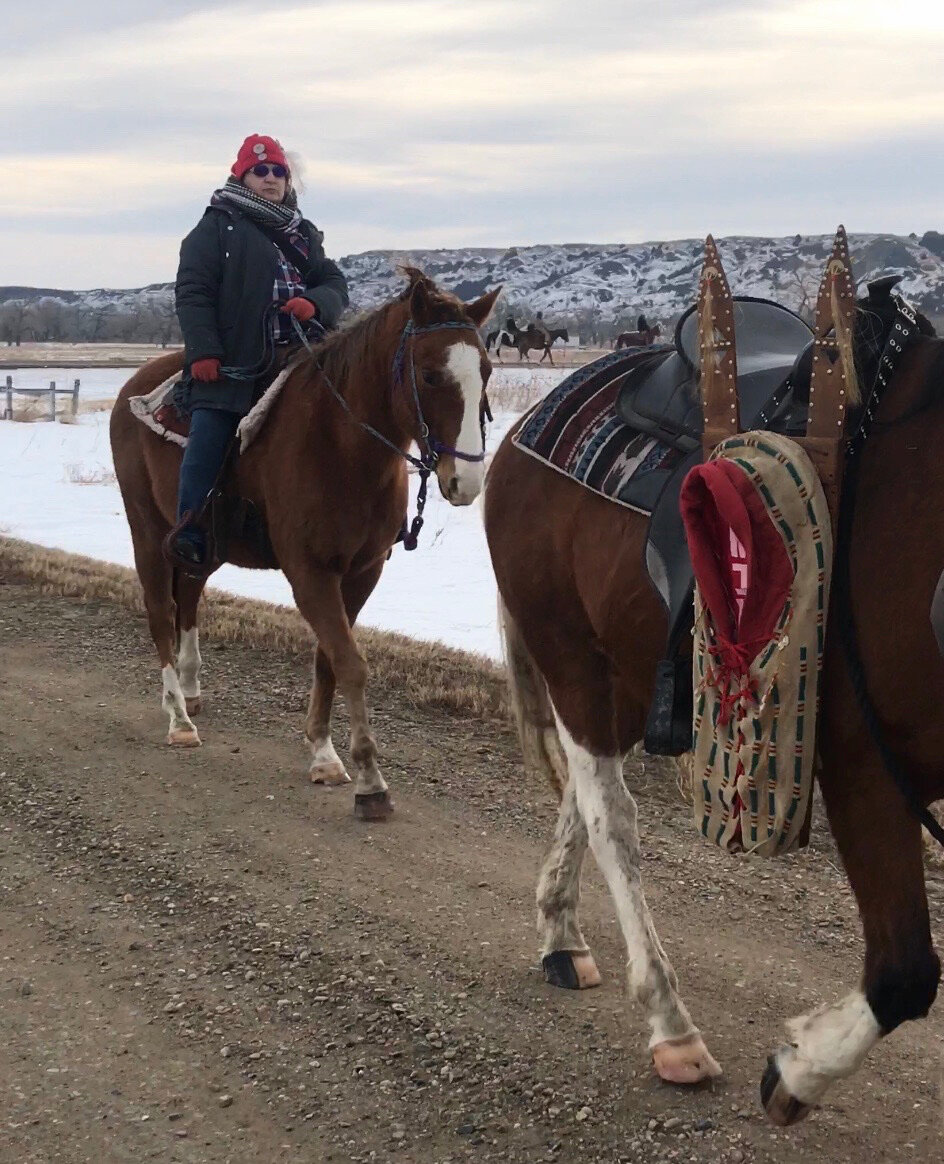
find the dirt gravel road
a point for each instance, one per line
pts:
(205, 958)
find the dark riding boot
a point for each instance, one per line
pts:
(210, 434)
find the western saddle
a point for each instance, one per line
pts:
(738, 363)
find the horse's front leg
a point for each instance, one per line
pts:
(324, 601)
(880, 845)
(326, 766)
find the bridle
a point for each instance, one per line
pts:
(431, 449)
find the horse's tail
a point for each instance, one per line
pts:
(534, 716)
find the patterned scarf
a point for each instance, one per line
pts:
(275, 215)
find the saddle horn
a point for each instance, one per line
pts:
(717, 354)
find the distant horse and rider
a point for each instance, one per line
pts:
(643, 337)
(535, 337)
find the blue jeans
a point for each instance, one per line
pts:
(210, 433)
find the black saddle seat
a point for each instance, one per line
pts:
(661, 396)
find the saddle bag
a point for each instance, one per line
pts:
(760, 539)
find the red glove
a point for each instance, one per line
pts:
(302, 309)
(206, 371)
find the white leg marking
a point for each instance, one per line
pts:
(830, 1043)
(610, 816)
(558, 892)
(368, 781)
(464, 364)
(326, 766)
(181, 730)
(189, 663)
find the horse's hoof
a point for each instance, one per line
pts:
(570, 971)
(373, 805)
(194, 705)
(329, 774)
(685, 1060)
(781, 1107)
(183, 738)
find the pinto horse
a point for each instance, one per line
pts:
(584, 632)
(638, 339)
(332, 492)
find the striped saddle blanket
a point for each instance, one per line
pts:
(575, 430)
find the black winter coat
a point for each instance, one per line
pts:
(224, 285)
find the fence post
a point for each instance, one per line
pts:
(52, 399)
(75, 398)
(9, 411)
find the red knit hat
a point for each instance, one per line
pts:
(258, 148)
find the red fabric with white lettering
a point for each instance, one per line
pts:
(740, 561)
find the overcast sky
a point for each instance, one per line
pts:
(444, 123)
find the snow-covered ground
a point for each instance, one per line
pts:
(59, 491)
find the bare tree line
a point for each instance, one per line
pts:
(49, 320)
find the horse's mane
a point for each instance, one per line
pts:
(357, 342)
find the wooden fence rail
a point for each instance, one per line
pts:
(52, 392)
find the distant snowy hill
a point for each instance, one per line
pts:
(611, 283)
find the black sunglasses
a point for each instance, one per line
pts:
(262, 171)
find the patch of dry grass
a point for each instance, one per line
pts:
(428, 675)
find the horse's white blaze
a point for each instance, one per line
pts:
(173, 701)
(463, 363)
(189, 663)
(830, 1043)
(609, 813)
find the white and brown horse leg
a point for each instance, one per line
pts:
(189, 661)
(326, 765)
(319, 597)
(565, 955)
(604, 802)
(156, 577)
(581, 691)
(902, 970)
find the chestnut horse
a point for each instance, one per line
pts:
(638, 339)
(333, 495)
(584, 632)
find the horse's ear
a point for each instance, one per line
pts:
(419, 304)
(481, 309)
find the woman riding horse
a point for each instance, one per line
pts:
(251, 252)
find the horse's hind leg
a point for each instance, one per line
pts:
(565, 955)
(189, 662)
(156, 581)
(581, 691)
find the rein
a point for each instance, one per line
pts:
(430, 448)
(902, 334)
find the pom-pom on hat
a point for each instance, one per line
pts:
(258, 148)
